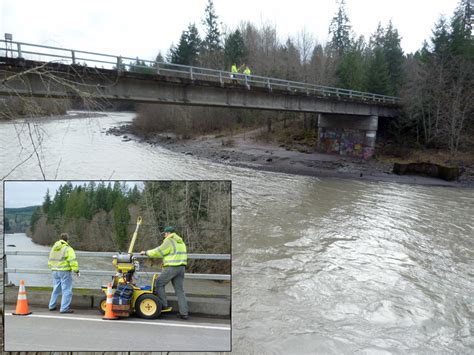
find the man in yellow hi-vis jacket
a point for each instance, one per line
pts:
(175, 258)
(62, 261)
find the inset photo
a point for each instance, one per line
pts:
(117, 265)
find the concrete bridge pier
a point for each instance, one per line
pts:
(347, 134)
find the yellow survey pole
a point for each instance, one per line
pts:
(132, 243)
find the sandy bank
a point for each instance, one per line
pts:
(243, 150)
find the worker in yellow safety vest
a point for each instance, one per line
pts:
(234, 72)
(62, 261)
(175, 258)
(247, 70)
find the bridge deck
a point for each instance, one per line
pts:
(58, 80)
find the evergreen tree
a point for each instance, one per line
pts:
(187, 51)
(121, 220)
(350, 70)
(340, 29)
(159, 58)
(194, 44)
(377, 74)
(234, 48)
(47, 202)
(212, 40)
(393, 54)
(440, 40)
(461, 41)
(134, 195)
(212, 54)
(101, 197)
(35, 218)
(291, 61)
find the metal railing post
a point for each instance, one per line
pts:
(19, 49)
(191, 73)
(73, 56)
(119, 64)
(5, 265)
(157, 68)
(269, 86)
(247, 82)
(220, 78)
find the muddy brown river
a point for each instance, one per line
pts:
(319, 265)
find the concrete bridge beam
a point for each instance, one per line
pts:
(103, 84)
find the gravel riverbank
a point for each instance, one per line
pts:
(244, 150)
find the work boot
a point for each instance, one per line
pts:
(52, 309)
(67, 311)
(182, 316)
(166, 308)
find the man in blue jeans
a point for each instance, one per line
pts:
(62, 261)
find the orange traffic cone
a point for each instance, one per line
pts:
(109, 314)
(22, 308)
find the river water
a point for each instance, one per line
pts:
(319, 265)
(19, 241)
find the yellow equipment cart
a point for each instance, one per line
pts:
(144, 302)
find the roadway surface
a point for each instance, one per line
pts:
(85, 330)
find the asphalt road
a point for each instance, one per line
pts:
(85, 330)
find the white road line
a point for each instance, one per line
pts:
(166, 324)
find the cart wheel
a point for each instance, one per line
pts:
(102, 305)
(148, 306)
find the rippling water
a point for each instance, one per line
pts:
(357, 266)
(319, 265)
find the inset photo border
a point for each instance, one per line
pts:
(117, 265)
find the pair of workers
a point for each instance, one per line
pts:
(234, 71)
(62, 262)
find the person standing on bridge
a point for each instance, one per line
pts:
(62, 261)
(234, 71)
(247, 73)
(175, 258)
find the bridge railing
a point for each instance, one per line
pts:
(88, 254)
(108, 61)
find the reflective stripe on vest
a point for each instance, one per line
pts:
(178, 256)
(58, 260)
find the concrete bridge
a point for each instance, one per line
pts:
(341, 112)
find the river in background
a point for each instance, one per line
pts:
(19, 241)
(319, 265)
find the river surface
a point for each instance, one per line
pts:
(319, 265)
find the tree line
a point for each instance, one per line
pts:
(435, 82)
(102, 216)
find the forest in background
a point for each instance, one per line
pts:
(435, 83)
(17, 220)
(102, 217)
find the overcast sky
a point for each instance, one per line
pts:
(142, 28)
(28, 193)
(32, 193)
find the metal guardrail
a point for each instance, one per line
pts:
(221, 277)
(75, 57)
